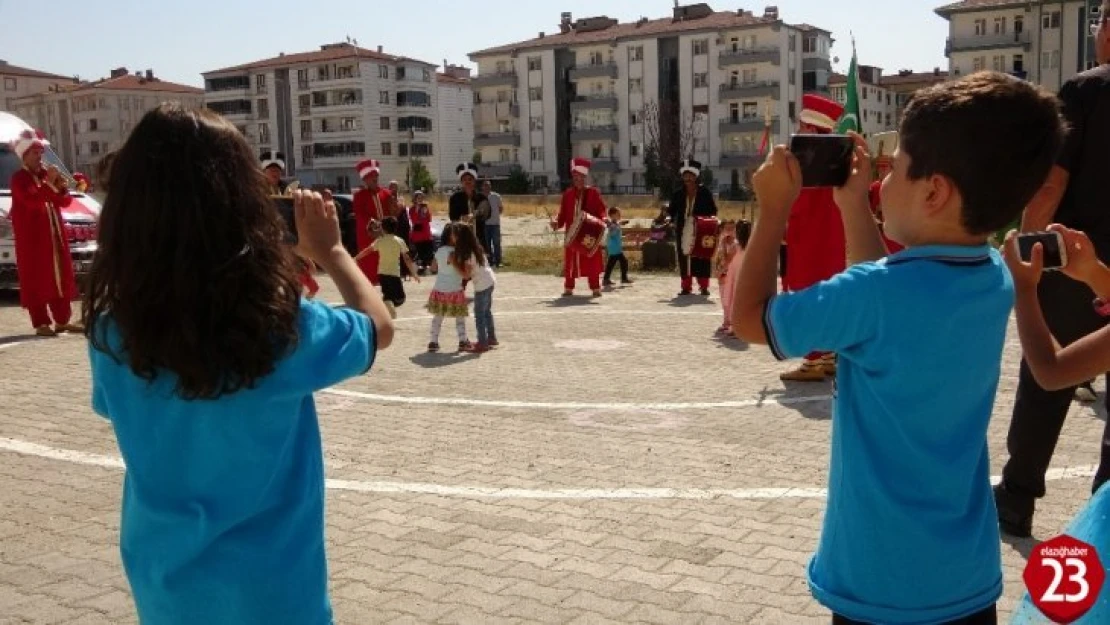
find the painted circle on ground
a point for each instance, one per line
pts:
(591, 345)
(628, 420)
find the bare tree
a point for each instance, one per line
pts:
(671, 134)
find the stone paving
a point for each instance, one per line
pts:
(679, 484)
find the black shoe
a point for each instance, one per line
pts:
(433, 348)
(1015, 513)
(705, 292)
(626, 281)
(607, 283)
(684, 293)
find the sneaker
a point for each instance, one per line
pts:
(810, 371)
(1015, 514)
(466, 346)
(433, 347)
(1084, 393)
(45, 331)
(479, 348)
(607, 283)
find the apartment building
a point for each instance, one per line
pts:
(905, 83)
(1043, 42)
(86, 121)
(589, 90)
(882, 98)
(330, 108)
(455, 108)
(17, 82)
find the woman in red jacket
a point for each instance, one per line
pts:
(46, 281)
(420, 232)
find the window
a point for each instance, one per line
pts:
(383, 71)
(734, 111)
(749, 42)
(260, 82)
(387, 149)
(792, 111)
(636, 117)
(504, 155)
(384, 123)
(264, 133)
(634, 150)
(94, 147)
(1000, 26)
(1019, 23)
(263, 108)
(383, 97)
(502, 96)
(865, 111)
(535, 94)
(809, 44)
(751, 110)
(322, 73)
(1019, 63)
(978, 63)
(749, 76)
(422, 149)
(793, 43)
(636, 85)
(596, 58)
(400, 75)
(1055, 59)
(980, 27)
(701, 46)
(865, 90)
(10, 84)
(93, 125)
(306, 128)
(537, 154)
(701, 80)
(636, 53)
(347, 71)
(535, 63)
(426, 75)
(302, 77)
(1046, 58)
(535, 123)
(350, 123)
(1050, 20)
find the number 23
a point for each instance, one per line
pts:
(1080, 577)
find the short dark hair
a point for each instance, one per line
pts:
(743, 232)
(389, 225)
(994, 136)
(613, 210)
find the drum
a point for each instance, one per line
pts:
(705, 237)
(587, 233)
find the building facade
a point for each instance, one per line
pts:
(455, 109)
(597, 88)
(882, 98)
(328, 109)
(83, 122)
(1043, 42)
(17, 82)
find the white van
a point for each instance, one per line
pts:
(80, 216)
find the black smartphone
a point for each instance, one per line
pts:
(1052, 243)
(826, 160)
(284, 207)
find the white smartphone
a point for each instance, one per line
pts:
(1055, 253)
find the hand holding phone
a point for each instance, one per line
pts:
(1053, 251)
(826, 160)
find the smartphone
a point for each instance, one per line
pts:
(826, 160)
(284, 206)
(1055, 253)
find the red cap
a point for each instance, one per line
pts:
(579, 165)
(367, 167)
(820, 112)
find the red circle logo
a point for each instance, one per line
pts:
(1064, 576)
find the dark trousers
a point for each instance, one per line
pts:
(493, 237)
(988, 616)
(425, 253)
(613, 260)
(1039, 414)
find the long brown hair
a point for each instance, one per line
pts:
(467, 246)
(191, 268)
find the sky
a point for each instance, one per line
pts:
(179, 40)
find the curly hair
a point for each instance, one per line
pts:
(467, 246)
(191, 267)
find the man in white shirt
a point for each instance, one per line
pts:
(493, 224)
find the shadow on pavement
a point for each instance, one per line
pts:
(1024, 546)
(689, 301)
(575, 301)
(437, 360)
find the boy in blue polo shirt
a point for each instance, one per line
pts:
(910, 533)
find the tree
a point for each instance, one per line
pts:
(419, 177)
(672, 133)
(477, 157)
(652, 176)
(518, 182)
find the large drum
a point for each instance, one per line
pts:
(705, 237)
(587, 233)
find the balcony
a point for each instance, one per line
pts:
(496, 170)
(747, 124)
(758, 89)
(585, 132)
(353, 103)
(744, 56)
(305, 109)
(492, 111)
(988, 42)
(303, 85)
(593, 70)
(594, 101)
(740, 158)
(495, 79)
(813, 64)
(605, 165)
(1020, 74)
(486, 139)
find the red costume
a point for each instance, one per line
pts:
(875, 195)
(576, 262)
(46, 281)
(369, 205)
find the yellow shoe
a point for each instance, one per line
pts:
(810, 371)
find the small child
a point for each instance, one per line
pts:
(391, 250)
(727, 250)
(448, 297)
(614, 247)
(469, 253)
(223, 498)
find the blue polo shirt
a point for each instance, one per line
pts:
(910, 533)
(614, 240)
(223, 500)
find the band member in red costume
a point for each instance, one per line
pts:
(815, 246)
(688, 203)
(370, 204)
(46, 282)
(883, 165)
(580, 203)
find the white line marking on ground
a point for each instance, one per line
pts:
(26, 448)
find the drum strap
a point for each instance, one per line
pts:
(688, 233)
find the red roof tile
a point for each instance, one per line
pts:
(452, 79)
(131, 82)
(7, 69)
(916, 77)
(330, 52)
(633, 30)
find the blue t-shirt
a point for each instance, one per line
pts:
(223, 500)
(910, 533)
(614, 241)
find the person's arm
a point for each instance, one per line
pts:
(1055, 368)
(1042, 208)
(411, 265)
(712, 202)
(861, 232)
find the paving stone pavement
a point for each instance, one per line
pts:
(471, 489)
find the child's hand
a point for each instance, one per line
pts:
(859, 181)
(1026, 274)
(777, 183)
(1083, 264)
(317, 225)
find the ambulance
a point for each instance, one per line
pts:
(79, 216)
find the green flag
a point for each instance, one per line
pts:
(850, 119)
